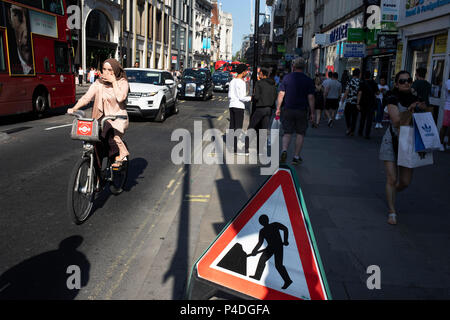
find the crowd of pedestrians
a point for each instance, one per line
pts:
(301, 100)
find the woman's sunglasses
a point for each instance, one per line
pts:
(403, 81)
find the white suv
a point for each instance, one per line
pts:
(152, 93)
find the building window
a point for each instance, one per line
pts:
(182, 38)
(98, 26)
(174, 36)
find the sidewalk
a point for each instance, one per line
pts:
(343, 183)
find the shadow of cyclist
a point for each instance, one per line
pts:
(45, 276)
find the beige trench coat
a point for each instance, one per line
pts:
(107, 104)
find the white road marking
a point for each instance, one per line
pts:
(57, 127)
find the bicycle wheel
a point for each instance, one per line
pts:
(79, 199)
(119, 178)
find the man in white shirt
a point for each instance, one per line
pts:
(237, 93)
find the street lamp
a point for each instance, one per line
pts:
(256, 44)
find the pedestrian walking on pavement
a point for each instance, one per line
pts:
(367, 102)
(383, 89)
(351, 96)
(110, 93)
(264, 98)
(92, 75)
(80, 76)
(345, 79)
(398, 178)
(237, 93)
(319, 101)
(332, 93)
(297, 93)
(421, 86)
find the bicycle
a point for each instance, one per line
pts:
(90, 176)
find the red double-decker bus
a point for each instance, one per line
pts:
(35, 56)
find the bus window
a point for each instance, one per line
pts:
(2, 55)
(62, 58)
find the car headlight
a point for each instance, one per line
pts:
(149, 94)
(180, 86)
(201, 87)
(227, 84)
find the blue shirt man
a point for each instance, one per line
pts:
(297, 93)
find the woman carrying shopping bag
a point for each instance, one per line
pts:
(401, 103)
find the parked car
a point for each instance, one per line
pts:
(152, 93)
(221, 81)
(196, 83)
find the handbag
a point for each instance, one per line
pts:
(407, 156)
(425, 133)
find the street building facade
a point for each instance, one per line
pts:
(424, 42)
(160, 34)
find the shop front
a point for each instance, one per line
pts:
(335, 58)
(425, 33)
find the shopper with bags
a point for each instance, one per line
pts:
(401, 104)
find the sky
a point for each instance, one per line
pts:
(241, 11)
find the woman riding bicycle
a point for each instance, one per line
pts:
(110, 93)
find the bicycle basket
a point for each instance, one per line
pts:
(85, 130)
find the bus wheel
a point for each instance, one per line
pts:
(40, 103)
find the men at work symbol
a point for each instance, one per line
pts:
(236, 259)
(271, 233)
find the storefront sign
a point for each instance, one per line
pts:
(390, 10)
(387, 41)
(354, 50)
(340, 33)
(174, 59)
(356, 35)
(44, 24)
(440, 44)
(321, 39)
(414, 7)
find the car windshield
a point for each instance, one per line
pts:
(138, 76)
(221, 76)
(190, 74)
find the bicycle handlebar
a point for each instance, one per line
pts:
(81, 114)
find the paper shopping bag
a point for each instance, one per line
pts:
(407, 156)
(426, 133)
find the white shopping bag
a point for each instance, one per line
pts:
(340, 111)
(426, 133)
(407, 156)
(276, 125)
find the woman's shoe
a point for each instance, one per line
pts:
(119, 162)
(392, 219)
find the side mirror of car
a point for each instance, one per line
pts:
(169, 82)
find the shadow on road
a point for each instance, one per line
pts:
(46, 276)
(180, 262)
(135, 170)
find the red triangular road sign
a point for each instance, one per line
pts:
(287, 270)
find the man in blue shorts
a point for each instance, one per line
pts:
(297, 93)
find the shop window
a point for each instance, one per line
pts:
(62, 58)
(2, 55)
(421, 54)
(437, 77)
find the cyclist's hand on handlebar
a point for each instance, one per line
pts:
(70, 111)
